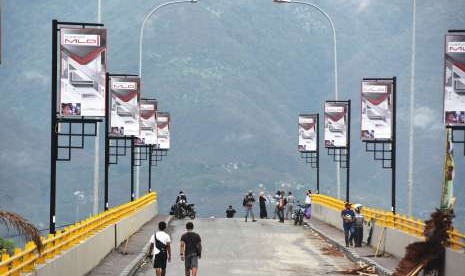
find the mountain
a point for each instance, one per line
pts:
(234, 75)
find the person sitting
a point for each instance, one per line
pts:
(230, 212)
(181, 198)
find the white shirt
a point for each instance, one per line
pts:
(308, 199)
(162, 237)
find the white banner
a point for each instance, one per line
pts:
(336, 124)
(124, 106)
(82, 72)
(148, 123)
(376, 109)
(308, 133)
(454, 80)
(163, 130)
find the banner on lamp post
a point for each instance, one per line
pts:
(376, 109)
(308, 128)
(148, 123)
(124, 106)
(336, 124)
(82, 72)
(163, 130)
(454, 79)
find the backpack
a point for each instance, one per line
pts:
(285, 201)
(159, 245)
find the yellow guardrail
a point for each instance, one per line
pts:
(384, 218)
(24, 260)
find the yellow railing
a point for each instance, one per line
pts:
(387, 219)
(24, 260)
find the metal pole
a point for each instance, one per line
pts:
(141, 33)
(348, 154)
(150, 168)
(318, 153)
(393, 146)
(107, 139)
(132, 168)
(336, 87)
(411, 145)
(97, 142)
(53, 129)
(141, 38)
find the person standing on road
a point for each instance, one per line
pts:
(308, 205)
(277, 196)
(348, 217)
(248, 203)
(161, 249)
(191, 249)
(358, 225)
(281, 206)
(289, 205)
(262, 201)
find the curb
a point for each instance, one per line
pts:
(133, 266)
(351, 254)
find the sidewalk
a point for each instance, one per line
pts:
(126, 255)
(384, 265)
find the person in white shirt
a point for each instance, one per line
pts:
(161, 249)
(308, 204)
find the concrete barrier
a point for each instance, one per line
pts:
(455, 261)
(81, 258)
(394, 241)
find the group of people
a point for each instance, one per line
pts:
(284, 206)
(352, 222)
(190, 249)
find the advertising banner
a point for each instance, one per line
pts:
(124, 106)
(163, 130)
(376, 109)
(336, 124)
(148, 123)
(454, 80)
(82, 72)
(308, 128)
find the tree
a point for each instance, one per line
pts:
(25, 228)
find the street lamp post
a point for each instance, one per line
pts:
(147, 17)
(141, 39)
(336, 92)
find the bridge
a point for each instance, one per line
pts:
(115, 242)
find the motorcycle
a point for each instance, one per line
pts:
(298, 215)
(181, 211)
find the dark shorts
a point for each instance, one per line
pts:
(160, 260)
(191, 260)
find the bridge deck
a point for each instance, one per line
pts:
(266, 247)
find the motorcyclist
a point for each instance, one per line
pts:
(181, 198)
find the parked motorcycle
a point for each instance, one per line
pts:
(298, 215)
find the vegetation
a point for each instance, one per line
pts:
(6, 246)
(25, 229)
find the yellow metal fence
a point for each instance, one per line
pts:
(24, 260)
(384, 218)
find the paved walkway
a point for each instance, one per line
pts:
(118, 260)
(266, 247)
(335, 236)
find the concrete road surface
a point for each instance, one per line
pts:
(265, 247)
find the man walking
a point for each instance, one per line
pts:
(191, 249)
(161, 249)
(248, 201)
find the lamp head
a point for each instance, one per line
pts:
(194, 1)
(281, 1)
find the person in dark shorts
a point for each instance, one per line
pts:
(161, 249)
(230, 212)
(191, 249)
